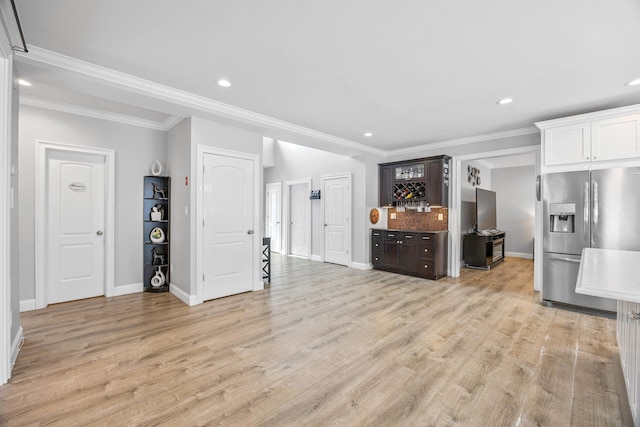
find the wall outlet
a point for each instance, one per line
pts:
(393, 216)
(186, 210)
(440, 217)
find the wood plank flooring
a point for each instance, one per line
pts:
(324, 345)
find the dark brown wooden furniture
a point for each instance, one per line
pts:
(483, 251)
(416, 253)
(425, 179)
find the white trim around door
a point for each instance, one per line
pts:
(286, 216)
(201, 151)
(349, 214)
(43, 151)
(456, 204)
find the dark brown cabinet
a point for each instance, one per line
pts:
(386, 186)
(417, 180)
(421, 254)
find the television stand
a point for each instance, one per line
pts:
(484, 249)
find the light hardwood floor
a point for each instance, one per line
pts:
(325, 345)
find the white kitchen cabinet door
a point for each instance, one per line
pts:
(617, 138)
(567, 144)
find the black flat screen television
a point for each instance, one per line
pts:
(485, 209)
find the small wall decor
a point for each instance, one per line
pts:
(315, 195)
(473, 176)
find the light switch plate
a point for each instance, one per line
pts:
(440, 217)
(393, 216)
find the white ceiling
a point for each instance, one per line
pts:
(412, 72)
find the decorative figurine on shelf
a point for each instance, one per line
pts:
(160, 258)
(159, 193)
(156, 168)
(157, 212)
(159, 279)
(157, 235)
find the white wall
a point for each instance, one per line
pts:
(294, 162)
(135, 149)
(515, 200)
(179, 167)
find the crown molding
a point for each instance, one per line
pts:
(81, 110)
(464, 141)
(589, 117)
(38, 56)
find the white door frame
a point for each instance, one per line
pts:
(201, 150)
(456, 205)
(43, 149)
(286, 247)
(6, 88)
(349, 213)
(266, 211)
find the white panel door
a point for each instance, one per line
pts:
(75, 225)
(299, 220)
(227, 225)
(336, 220)
(274, 213)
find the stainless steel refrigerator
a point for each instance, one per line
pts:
(598, 209)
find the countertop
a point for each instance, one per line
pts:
(609, 273)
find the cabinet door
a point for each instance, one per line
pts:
(567, 144)
(617, 138)
(436, 196)
(385, 189)
(633, 358)
(390, 254)
(408, 256)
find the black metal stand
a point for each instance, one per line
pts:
(266, 258)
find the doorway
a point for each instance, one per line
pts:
(273, 217)
(227, 238)
(74, 223)
(336, 201)
(298, 209)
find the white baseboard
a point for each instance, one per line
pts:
(27, 305)
(518, 255)
(190, 300)
(16, 345)
(361, 265)
(128, 289)
(316, 258)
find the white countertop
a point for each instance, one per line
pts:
(610, 273)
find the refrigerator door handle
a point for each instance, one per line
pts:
(577, 261)
(595, 203)
(585, 203)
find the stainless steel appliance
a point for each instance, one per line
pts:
(598, 209)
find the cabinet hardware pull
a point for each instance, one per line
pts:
(634, 316)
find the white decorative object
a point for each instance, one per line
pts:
(159, 279)
(157, 235)
(156, 168)
(156, 215)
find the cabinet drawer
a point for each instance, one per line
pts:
(376, 260)
(376, 246)
(427, 238)
(426, 250)
(376, 233)
(427, 267)
(391, 235)
(408, 237)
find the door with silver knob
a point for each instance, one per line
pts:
(273, 210)
(99, 233)
(299, 220)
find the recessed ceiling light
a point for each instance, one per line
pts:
(23, 82)
(635, 82)
(505, 101)
(368, 134)
(224, 83)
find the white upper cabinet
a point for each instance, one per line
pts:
(577, 142)
(617, 138)
(567, 144)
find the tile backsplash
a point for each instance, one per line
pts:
(419, 221)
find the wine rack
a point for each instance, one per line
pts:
(409, 190)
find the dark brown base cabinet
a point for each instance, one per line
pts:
(414, 253)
